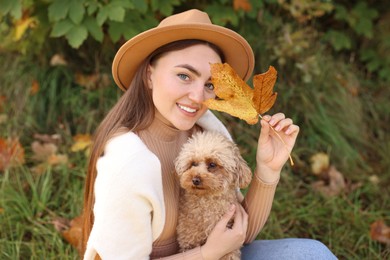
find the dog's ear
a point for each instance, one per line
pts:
(244, 173)
(180, 165)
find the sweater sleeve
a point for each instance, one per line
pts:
(258, 203)
(129, 205)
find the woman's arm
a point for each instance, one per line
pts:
(272, 154)
(129, 205)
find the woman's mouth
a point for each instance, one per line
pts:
(187, 109)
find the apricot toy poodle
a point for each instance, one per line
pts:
(211, 171)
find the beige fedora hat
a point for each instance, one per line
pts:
(191, 24)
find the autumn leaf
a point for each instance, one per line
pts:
(42, 151)
(319, 163)
(22, 25)
(333, 183)
(58, 60)
(34, 87)
(236, 98)
(70, 230)
(3, 100)
(242, 4)
(92, 81)
(264, 97)
(11, 153)
(380, 232)
(234, 95)
(81, 142)
(46, 154)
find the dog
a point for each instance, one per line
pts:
(210, 171)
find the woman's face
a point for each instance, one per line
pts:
(180, 81)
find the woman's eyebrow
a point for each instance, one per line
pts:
(190, 68)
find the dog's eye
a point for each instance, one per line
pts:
(211, 165)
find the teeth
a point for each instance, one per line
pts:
(190, 110)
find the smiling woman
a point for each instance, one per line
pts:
(131, 192)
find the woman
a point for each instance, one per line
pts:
(131, 196)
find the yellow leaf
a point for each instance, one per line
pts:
(22, 25)
(234, 96)
(319, 163)
(81, 142)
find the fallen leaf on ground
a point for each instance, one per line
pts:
(333, 186)
(34, 87)
(11, 153)
(319, 163)
(71, 230)
(45, 138)
(58, 60)
(46, 154)
(380, 232)
(42, 151)
(92, 81)
(81, 142)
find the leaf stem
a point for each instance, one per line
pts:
(281, 139)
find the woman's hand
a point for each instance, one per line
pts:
(223, 240)
(272, 152)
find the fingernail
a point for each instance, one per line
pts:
(278, 128)
(272, 122)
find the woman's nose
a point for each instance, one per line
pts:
(197, 93)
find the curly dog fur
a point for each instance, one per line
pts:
(210, 170)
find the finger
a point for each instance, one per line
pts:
(244, 217)
(276, 118)
(292, 130)
(226, 217)
(283, 124)
(265, 131)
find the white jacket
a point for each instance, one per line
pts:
(129, 208)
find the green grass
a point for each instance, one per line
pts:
(351, 129)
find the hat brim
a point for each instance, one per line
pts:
(237, 51)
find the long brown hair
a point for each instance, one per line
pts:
(134, 111)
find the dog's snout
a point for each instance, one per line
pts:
(196, 181)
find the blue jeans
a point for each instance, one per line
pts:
(289, 248)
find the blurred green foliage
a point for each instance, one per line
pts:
(346, 28)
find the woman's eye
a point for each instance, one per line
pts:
(183, 76)
(210, 86)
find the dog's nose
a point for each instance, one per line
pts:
(196, 181)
